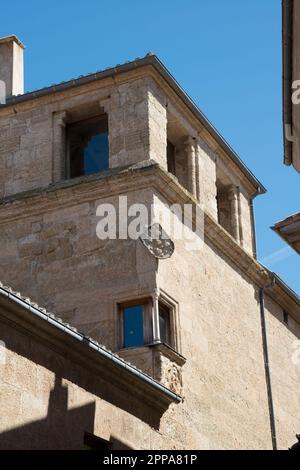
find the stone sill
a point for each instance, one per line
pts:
(164, 348)
(169, 352)
(159, 361)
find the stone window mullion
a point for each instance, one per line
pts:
(59, 147)
(235, 218)
(191, 164)
(155, 318)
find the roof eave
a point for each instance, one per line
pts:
(260, 189)
(287, 65)
(153, 60)
(281, 230)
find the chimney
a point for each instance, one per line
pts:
(11, 67)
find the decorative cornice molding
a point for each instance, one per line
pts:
(145, 175)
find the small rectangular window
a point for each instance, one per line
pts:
(133, 326)
(87, 147)
(135, 323)
(286, 317)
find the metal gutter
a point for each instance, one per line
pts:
(50, 319)
(149, 59)
(287, 65)
(206, 123)
(254, 238)
(266, 362)
(79, 81)
(276, 280)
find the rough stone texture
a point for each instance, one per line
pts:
(168, 373)
(73, 273)
(157, 365)
(246, 222)
(128, 123)
(81, 279)
(32, 142)
(25, 151)
(284, 351)
(50, 402)
(50, 252)
(157, 124)
(224, 373)
(207, 176)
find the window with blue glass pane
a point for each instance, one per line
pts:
(133, 326)
(88, 150)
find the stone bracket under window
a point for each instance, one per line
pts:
(152, 346)
(169, 352)
(160, 361)
(168, 366)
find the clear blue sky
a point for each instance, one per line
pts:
(225, 53)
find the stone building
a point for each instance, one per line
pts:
(121, 346)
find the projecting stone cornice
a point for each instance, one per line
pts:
(146, 175)
(27, 317)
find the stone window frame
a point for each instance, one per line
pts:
(173, 306)
(151, 325)
(187, 149)
(231, 195)
(101, 117)
(60, 121)
(146, 303)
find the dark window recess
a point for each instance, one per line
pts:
(164, 323)
(286, 318)
(133, 326)
(87, 143)
(93, 442)
(171, 155)
(224, 208)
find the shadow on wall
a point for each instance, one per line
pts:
(64, 428)
(61, 429)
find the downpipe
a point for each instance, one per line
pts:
(266, 362)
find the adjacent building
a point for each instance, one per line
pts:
(289, 229)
